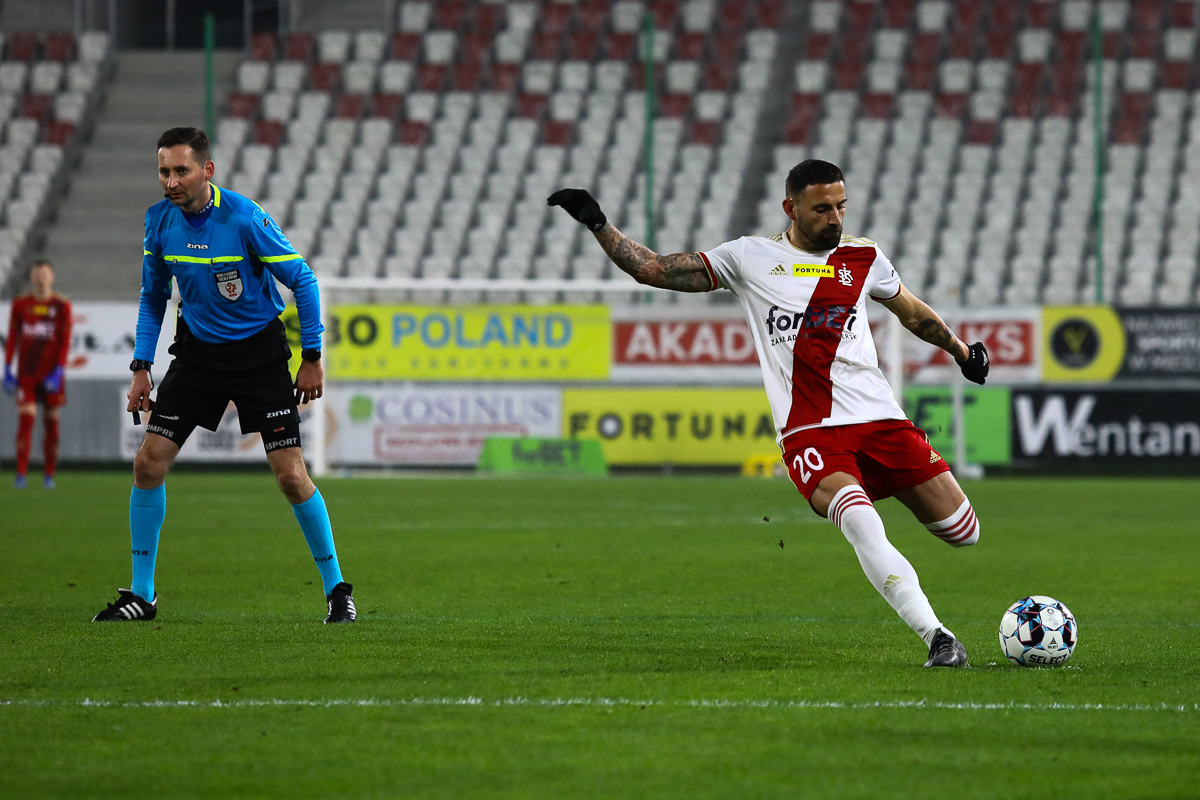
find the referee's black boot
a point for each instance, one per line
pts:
(341, 604)
(129, 608)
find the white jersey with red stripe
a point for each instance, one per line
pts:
(807, 312)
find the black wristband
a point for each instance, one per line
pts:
(137, 365)
(310, 355)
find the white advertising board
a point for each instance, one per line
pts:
(409, 424)
(102, 339)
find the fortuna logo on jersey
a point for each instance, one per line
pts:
(817, 322)
(229, 284)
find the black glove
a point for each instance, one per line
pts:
(580, 204)
(975, 368)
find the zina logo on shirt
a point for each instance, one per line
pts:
(229, 284)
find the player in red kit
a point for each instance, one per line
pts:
(39, 334)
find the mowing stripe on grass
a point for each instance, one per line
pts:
(609, 702)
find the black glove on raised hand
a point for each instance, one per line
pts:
(975, 368)
(580, 204)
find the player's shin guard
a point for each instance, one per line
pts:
(50, 444)
(887, 570)
(147, 510)
(313, 517)
(959, 529)
(24, 443)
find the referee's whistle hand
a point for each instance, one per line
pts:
(310, 382)
(139, 392)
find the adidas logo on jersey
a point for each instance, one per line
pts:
(779, 270)
(934, 457)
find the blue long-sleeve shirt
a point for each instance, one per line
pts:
(226, 270)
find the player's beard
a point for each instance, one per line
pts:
(826, 238)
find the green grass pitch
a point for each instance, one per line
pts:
(625, 637)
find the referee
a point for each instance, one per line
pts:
(225, 253)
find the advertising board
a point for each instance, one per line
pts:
(102, 339)
(1105, 426)
(1011, 337)
(709, 426)
(465, 343)
(985, 420)
(434, 425)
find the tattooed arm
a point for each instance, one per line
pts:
(682, 272)
(916, 315)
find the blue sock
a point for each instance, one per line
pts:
(147, 509)
(314, 521)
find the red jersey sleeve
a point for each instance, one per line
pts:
(64, 322)
(14, 331)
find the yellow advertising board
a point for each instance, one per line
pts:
(1081, 344)
(681, 426)
(449, 343)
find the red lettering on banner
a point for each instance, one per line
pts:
(689, 343)
(1009, 342)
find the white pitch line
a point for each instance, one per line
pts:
(611, 702)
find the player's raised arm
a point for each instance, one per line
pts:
(916, 315)
(680, 272)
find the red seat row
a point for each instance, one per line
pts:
(25, 46)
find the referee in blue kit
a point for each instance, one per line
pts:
(225, 253)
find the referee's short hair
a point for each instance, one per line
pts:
(811, 173)
(193, 138)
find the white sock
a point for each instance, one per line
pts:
(887, 570)
(960, 529)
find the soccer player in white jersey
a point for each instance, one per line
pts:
(845, 440)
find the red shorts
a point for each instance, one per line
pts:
(886, 456)
(31, 390)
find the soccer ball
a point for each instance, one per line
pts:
(1038, 631)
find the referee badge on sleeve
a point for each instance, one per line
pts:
(229, 284)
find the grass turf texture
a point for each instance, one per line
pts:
(640, 591)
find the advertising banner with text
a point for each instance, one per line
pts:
(102, 339)
(985, 420)
(1011, 336)
(465, 343)
(710, 426)
(1105, 427)
(435, 425)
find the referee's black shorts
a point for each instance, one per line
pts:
(205, 378)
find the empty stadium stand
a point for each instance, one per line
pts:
(430, 153)
(48, 91)
(966, 134)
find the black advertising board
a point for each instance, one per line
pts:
(1160, 343)
(1105, 427)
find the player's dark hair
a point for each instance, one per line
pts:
(193, 138)
(40, 262)
(812, 172)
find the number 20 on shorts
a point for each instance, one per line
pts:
(811, 459)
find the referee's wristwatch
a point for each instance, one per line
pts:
(137, 365)
(311, 355)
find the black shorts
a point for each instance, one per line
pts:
(205, 378)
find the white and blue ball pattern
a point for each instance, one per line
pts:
(1038, 631)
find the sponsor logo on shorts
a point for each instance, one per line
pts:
(194, 246)
(291, 441)
(283, 413)
(161, 431)
(167, 416)
(277, 430)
